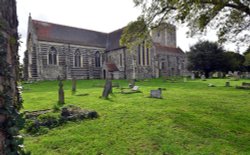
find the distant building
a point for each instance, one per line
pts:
(56, 50)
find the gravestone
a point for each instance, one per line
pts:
(155, 93)
(131, 83)
(60, 93)
(135, 88)
(73, 84)
(203, 78)
(193, 76)
(236, 76)
(107, 89)
(227, 84)
(184, 79)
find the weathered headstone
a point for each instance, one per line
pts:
(203, 78)
(155, 93)
(184, 79)
(60, 93)
(107, 89)
(236, 76)
(193, 76)
(211, 85)
(227, 84)
(135, 88)
(73, 84)
(131, 83)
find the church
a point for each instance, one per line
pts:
(57, 50)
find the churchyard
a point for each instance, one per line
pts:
(189, 117)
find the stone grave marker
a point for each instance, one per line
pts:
(184, 79)
(227, 84)
(60, 93)
(73, 84)
(131, 83)
(107, 89)
(236, 76)
(203, 78)
(193, 76)
(135, 88)
(155, 93)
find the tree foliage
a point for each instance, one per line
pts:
(205, 57)
(135, 33)
(231, 18)
(232, 62)
(247, 59)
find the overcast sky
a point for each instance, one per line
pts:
(99, 15)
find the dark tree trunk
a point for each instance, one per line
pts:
(10, 101)
(207, 74)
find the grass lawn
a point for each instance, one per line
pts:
(192, 118)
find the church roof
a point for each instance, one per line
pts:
(170, 49)
(59, 33)
(113, 41)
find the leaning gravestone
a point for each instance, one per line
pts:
(60, 93)
(73, 84)
(107, 89)
(155, 93)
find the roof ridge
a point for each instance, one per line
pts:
(40, 21)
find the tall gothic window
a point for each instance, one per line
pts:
(143, 54)
(77, 58)
(97, 59)
(139, 54)
(52, 56)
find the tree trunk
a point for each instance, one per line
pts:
(10, 101)
(207, 74)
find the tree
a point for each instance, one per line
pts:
(231, 18)
(232, 62)
(10, 100)
(205, 57)
(247, 59)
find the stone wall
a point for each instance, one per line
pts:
(171, 64)
(65, 64)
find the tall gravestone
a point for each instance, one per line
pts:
(193, 76)
(10, 100)
(132, 83)
(73, 84)
(107, 89)
(60, 93)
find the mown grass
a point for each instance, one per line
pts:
(192, 118)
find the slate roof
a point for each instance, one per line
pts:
(113, 40)
(160, 47)
(65, 34)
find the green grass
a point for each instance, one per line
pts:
(192, 118)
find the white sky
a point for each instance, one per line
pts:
(99, 15)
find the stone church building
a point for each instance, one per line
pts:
(56, 50)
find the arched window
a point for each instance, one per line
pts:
(52, 56)
(77, 58)
(97, 59)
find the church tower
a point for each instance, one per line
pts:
(165, 35)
